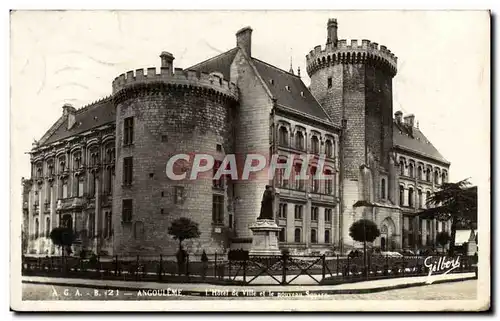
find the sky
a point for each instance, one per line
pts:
(60, 57)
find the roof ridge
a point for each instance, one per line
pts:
(94, 103)
(282, 70)
(209, 59)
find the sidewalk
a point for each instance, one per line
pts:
(202, 289)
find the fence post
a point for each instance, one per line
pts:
(283, 274)
(116, 265)
(348, 267)
(337, 265)
(215, 265)
(160, 268)
(137, 268)
(323, 270)
(187, 265)
(245, 271)
(404, 266)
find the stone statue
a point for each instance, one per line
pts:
(267, 204)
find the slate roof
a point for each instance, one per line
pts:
(414, 140)
(221, 63)
(297, 96)
(95, 115)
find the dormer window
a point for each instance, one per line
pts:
(287, 88)
(271, 81)
(302, 93)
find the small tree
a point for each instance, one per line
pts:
(62, 237)
(183, 229)
(442, 238)
(364, 231)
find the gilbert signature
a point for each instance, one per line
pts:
(443, 264)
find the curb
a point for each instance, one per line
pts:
(242, 293)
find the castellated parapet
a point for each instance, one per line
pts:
(179, 79)
(355, 53)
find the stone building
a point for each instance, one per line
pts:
(101, 169)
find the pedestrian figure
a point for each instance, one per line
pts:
(204, 261)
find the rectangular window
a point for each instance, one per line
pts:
(328, 214)
(127, 210)
(330, 83)
(218, 209)
(128, 131)
(217, 183)
(314, 213)
(91, 225)
(80, 188)
(282, 210)
(108, 232)
(127, 170)
(298, 212)
(65, 189)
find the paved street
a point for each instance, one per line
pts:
(464, 290)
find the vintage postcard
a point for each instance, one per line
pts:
(250, 160)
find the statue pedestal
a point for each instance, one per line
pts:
(265, 238)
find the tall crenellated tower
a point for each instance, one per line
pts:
(353, 83)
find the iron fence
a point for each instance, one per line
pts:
(283, 269)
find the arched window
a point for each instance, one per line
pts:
(410, 170)
(282, 234)
(327, 236)
(37, 228)
(382, 188)
(314, 236)
(436, 177)
(419, 175)
(282, 180)
(298, 235)
(329, 148)
(283, 136)
(401, 168)
(410, 197)
(401, 195)
(299, 140)
(47, 227)
(443, 177)
(314, 145)
(427, 196)
(428, 175)
(420, 200)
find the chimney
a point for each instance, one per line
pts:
(332, 32)
(398, 115)
(244, 40)
(69, 111)
(167, 61)
(410, 120)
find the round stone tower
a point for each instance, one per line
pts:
(159, 115)
(353, 83)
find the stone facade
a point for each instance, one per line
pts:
(101, 169)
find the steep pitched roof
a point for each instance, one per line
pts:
(289, 90)
(413, 139)
(221, 63)
(92, 116)
(291, 98)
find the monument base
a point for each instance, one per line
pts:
(265, 238)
